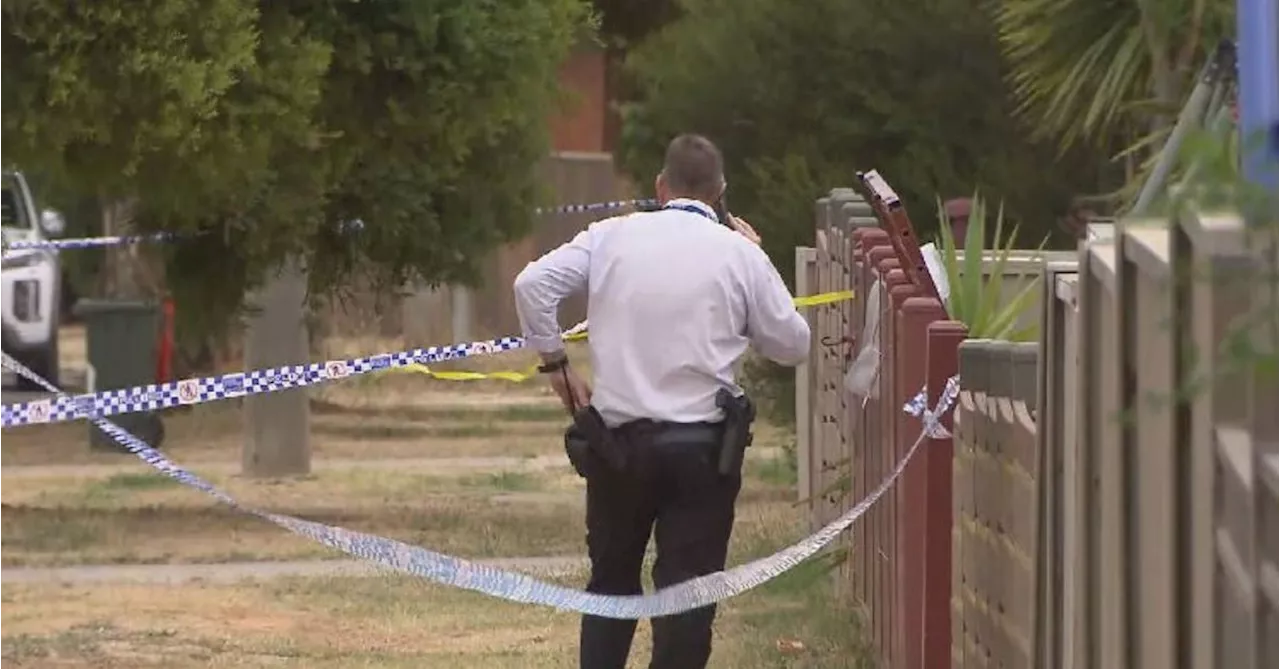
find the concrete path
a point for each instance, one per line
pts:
(231, 572)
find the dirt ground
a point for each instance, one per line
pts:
(472, 469)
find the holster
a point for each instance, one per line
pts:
(739, 413)
(589, 440)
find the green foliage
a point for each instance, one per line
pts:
(772, 387)
(978, 297)
(800, 95)
(626, 22)
(267, 125)
(1090, 71)
(1209, 178)
(111, 94)
(1205, 170)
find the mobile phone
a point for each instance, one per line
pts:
(722, 212)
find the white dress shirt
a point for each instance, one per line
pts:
(674, 299)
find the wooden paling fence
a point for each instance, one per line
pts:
(849, 443)
(1109, 498)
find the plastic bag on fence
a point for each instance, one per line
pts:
(860, 379)
(937, 270)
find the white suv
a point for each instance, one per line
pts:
(30, 281)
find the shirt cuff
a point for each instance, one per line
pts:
(545, 343)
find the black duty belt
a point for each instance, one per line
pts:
(613, 446)
(665, 434)
(671, 433)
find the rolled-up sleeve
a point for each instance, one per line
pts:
(774, 326)
(544, 283)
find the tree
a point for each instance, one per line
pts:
(262, 127)
(624, 23)
(1107, 73)
(105, 96)
(801, 96)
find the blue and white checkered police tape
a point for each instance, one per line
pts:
(85, 242)
(516, 587)
(919, 403)
(239, 384)
(596, 206)
(119, 240)
(916, 405)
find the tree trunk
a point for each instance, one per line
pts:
(120, 279)
(277, 433)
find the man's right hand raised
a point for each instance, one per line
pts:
(744, 228)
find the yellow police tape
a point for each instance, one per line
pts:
(532, 371)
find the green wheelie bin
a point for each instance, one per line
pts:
(121, 338)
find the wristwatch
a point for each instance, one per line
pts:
(555, 365)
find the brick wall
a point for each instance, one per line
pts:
(581, 124)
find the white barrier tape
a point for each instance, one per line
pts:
(456, 572)
(577, 329)
(119, 240)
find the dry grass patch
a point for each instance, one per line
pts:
(44, 536)
(392, 621)
(354, 487)
(148, 518)
(341, 623)
(428, 425)
(519, 508)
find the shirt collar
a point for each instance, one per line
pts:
(692, 206)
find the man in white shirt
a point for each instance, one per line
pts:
(674, 299)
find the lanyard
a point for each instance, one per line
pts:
(694, 209)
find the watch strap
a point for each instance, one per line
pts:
(554, 365)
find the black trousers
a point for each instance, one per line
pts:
(674, 491)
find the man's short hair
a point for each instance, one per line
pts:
(693, 167)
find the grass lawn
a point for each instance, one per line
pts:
(383, 621)
(373, 621)
(400, 456)
(136, 515)
(147, 518)
(522, 507)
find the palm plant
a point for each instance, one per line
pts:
(1108, 71)
(977, 292)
